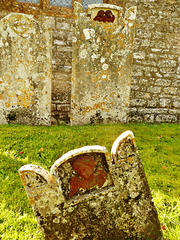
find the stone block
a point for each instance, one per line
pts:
(156, 49)
(171, 90)
(60, 117)
(176, 103)
(61, 98)
(167, 63)
(149, 118)
(60, 35)
(165, 102)
(134, 87)
(153, 103)
(174, 111)
(59, 42)
(63, 25)
(139, 55)
(176, 83)
(137, 102)
(135, 117)
(166, 118)
(64, 49)
(144, 81)
(64, 107)
(154, 89)
(160, 111)
(162, 82)
(142, 95)
(86, 195)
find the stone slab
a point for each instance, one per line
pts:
(102, 62)
(25, 70)
(88, 195)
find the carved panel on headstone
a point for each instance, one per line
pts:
(88, 196)
(25, 70)
(82, 174)
(102, 62)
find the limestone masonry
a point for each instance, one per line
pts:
(154, 91)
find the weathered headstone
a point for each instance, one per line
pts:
(102, 63)
(25, 70)
(87, 195)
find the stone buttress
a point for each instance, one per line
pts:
(101, 64)
(25, 70)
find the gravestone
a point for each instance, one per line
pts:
(25, 70)
(87, 195)
(102, 63)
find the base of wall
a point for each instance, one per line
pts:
(154, 115)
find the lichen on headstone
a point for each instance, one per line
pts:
(88, 195)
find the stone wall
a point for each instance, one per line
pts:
(155, 79)
(61, 69)
(155, 90)
(61, 66)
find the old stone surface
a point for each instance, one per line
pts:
(61, 69)
(25, 70)
(102, 59)
(87, 195)
(156, 61)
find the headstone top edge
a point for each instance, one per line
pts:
(104, 5)
(120, 139)
(38, 170)
(79, 151)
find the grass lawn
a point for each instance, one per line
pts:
(158, 146)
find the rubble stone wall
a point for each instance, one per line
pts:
(155, 90)
(155, 83)
(61, 69)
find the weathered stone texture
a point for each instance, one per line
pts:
(61, 70)
(155, 61)
(89, 196)
(102, 62)
(156, 67)
(25, 70)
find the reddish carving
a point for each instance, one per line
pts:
(104, 16)
(88, 175)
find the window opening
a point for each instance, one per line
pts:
(29, 1)
(61, 3)
(85, 3)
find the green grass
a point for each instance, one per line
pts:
(158, 146)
